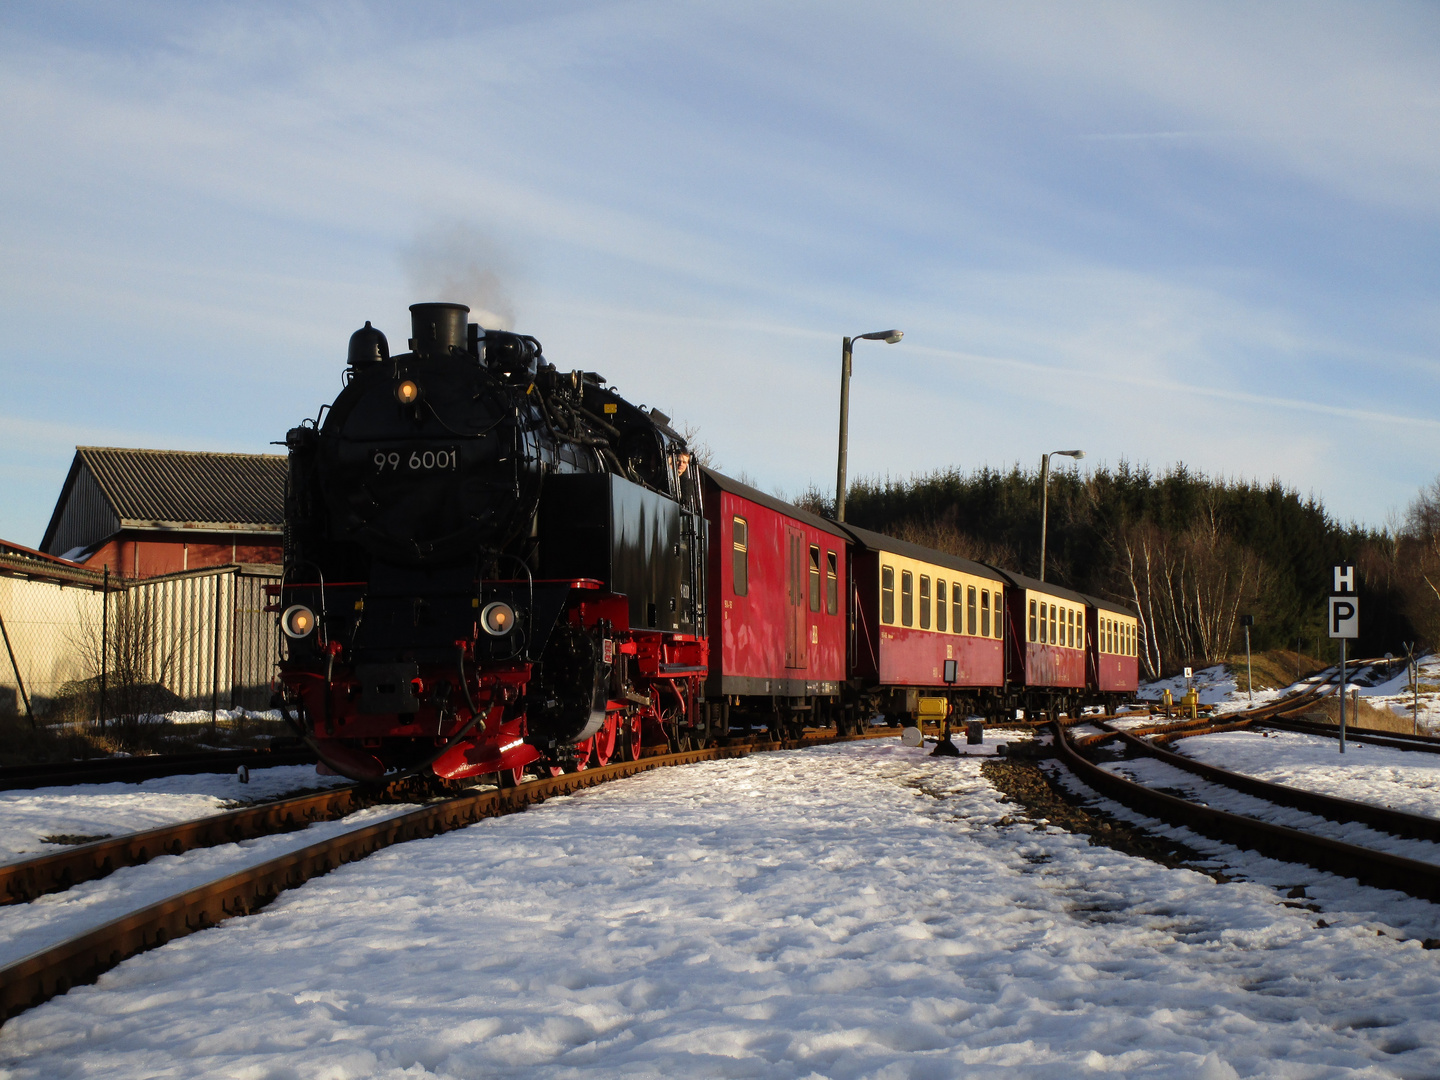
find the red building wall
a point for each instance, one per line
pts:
(149, 554)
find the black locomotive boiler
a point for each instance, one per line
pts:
(489, 563)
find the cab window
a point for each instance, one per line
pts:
(814, 578)
(887, 594)
(832, 583)
(907, 598)
(740, 557)
(924, 601)
(942, 604)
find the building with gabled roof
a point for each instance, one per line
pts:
(147, 512)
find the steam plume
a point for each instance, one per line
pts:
(455, 261)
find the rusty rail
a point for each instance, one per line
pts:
(1377, 868)
(50, 972)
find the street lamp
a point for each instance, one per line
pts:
(890, 337)
(1045, 495)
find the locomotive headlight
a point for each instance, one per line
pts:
(407, 391)
(298, 621)
(497, 618)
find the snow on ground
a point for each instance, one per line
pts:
(1398, 779)
(1215, 685)
(846, 911)
(113, 809)
(51, 919)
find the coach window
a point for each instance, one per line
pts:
(1070, 628)
(999, 608)
(832, 583)
(984, 612)
(741, 562)
(887, 594)
(1053, 621)
(907, 598)
(1032, 620)
(956, 611)
(814, 577)
(924, 601)
(1044, 611)
(942, 604)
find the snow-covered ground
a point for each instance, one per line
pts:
(113, 809)
(1398, 779)
(856, 910)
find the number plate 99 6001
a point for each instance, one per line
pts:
(415, 460)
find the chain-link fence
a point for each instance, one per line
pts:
(78, 645)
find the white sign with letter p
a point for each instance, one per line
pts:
(1344, 617)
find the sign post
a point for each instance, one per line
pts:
(1344, 624)
(1248, 621)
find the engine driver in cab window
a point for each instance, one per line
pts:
(740, 557)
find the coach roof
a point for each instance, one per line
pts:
(1109, 605)
(745, 491)
(1020, 581)
(880, 542)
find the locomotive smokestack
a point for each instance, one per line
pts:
(438, 329)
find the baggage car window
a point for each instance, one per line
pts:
(942, 602)
(907, 598)
(971, 622)
(740, 556)
(924, 601)
(887, 594)
(984, 612)
(1032, 620)
(832, 583)
(814, 578)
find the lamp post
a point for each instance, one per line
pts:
(890, 337)
(1045, 495)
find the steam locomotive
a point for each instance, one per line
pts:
(493, 565)
(489, 563)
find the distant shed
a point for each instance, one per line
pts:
(148, 512)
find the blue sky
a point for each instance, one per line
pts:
(1161, 232)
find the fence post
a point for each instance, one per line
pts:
(104, 642)
(215, 659)
(19, 681)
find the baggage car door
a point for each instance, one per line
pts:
(797, 632)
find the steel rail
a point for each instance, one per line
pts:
(146, 767)
(1376, 868)
(1395, 822)
(1427, 744)
(24, 880)
(49, 972)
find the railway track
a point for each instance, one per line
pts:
(52, 971)
(1373, 867)
(131, 770)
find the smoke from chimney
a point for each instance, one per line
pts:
(454, 261)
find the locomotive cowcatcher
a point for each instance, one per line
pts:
(489, 564)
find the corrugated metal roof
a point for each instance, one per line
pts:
(189, 488)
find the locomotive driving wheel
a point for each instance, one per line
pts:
(604, 741)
